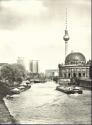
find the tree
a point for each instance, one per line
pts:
(13, 73)
(19, 72)
(7, 72)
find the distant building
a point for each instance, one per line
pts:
(50, 73)
(20, 60)
(34, 66)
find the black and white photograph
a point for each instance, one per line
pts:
(45, 62)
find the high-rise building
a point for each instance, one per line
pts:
(34, 66)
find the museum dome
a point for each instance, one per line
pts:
(75, 58)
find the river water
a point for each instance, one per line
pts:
(43, 104)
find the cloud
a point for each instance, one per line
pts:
(13, 13)
(9, 20)
(30, 7)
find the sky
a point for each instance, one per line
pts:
(34, 29)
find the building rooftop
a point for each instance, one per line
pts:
(75, 58)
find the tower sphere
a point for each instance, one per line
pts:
(66, 36)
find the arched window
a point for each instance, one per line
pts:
(74, 74)
(83, 74)
(79, 74)
(69, 75)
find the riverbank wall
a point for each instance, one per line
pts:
(86, 83)
(5, 116)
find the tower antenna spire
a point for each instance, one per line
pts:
(66, 36)
(66, 18)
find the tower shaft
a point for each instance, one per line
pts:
(66, 37)
(66, 48)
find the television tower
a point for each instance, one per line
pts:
(66, 37)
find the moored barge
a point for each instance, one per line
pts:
(69, 90)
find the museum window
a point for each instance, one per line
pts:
(74, 74)
(83, 74)
(79, 74)
(69, 75)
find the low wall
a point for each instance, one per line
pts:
(86, 83)
(5, 116)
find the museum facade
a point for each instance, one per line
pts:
(75, 66)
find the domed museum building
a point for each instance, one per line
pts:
(75, 66)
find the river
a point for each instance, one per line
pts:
(42, 104)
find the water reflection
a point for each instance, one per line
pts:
(43, 104)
